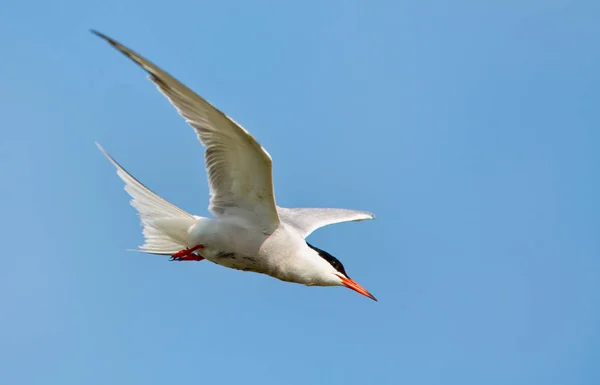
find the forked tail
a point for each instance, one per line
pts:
(165, 225)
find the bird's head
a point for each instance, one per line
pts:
(334, 274)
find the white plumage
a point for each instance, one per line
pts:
(250, 232)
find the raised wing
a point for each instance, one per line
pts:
(239, 168)
(307, 220)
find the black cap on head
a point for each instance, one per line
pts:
(333, 261)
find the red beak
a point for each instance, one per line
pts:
(349, 283)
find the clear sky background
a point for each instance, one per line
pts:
(470, 128)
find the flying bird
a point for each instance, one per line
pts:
(249, 231)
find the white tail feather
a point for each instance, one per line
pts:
(165, 225)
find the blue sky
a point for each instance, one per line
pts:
(469, 128)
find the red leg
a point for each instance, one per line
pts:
(188, 254)
(191, 257)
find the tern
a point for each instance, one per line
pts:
(249, 231)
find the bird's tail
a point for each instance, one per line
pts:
(165, 225)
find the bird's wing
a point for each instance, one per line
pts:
(239, 168)
(307, 220)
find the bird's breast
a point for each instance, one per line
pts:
(237, 247)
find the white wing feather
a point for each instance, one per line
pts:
(307, 220)
(239, 168)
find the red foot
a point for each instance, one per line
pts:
(191, 257)
(188, 254)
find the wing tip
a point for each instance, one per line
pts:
(365, 215)
(124, 50)
(104, 37)
(100, 34)
(154, 72)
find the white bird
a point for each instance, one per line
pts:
(249, 231)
